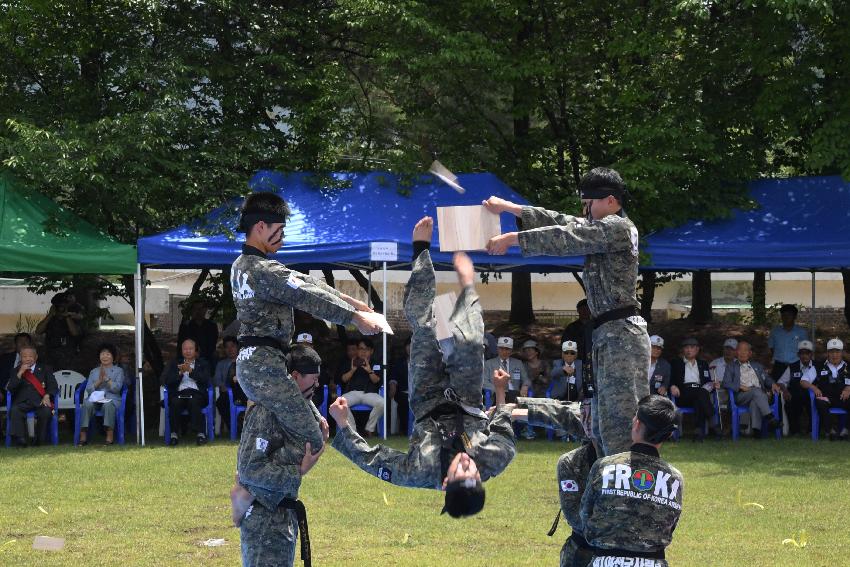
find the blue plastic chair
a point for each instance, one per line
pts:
(365, 407)
(737, 410)
(54, 422)
(816, 418)
(685, 411)
(235, 410)
(209, 413)
(119, 414)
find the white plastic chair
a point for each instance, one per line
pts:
(67, 380)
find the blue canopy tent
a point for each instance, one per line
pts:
(800, 223)
(336, 218)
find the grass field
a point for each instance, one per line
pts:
(155, 506)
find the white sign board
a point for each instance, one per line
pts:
(383, 252)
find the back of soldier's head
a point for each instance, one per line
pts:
(657, 415)
(263, 206)
(600, 182)
(464, 498)
(304, 359)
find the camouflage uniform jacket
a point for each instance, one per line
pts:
(610, 246)
(265, 292)
(269, 458)
(492, 447)
(633, 501)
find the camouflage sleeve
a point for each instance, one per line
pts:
(554, 414)
(279, 284)
(588, 499)
(320, 284)
(538, 217)
(496, 452)
(395, 467)
(572, 471)
(579, 237)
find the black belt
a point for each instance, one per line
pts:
(614, 314)
(629, 553)
(301, 515)
(250, 341)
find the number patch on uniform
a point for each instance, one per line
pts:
(385, 474)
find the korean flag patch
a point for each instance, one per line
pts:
(385, 474)
(569, 486)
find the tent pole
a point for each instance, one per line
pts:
(369, 291)
(813, 308)
(387, 401)
(138, 291)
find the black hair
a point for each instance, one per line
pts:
(657, 414)
(463, 500)
(789, 308)
(230, 339)
(304, 359)
(408, 340)
(260, 207)
(58, 299)
(352, 342)
(602, 181)
(22, 335)
(582, 303)
(368, 342)
(113, 350)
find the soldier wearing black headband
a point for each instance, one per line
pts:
(609, 242)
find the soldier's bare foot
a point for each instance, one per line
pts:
(464, 268)
(423, 230)
(240, 501)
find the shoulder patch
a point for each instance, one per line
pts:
(294, 282)
(569, 486)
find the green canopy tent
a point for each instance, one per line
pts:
(37, 236)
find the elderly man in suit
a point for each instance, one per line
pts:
(519, 382)
(691, 385)
(32, 386)
(749, 383)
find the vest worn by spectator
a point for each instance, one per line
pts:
(826, 383)
(632, 505)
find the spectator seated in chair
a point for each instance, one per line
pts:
(504, 360)
(361, 384)
(537, 369)
(108, 380)
(659, 368)
(794, 395)
(187, 379)
(691, 384)
(225, 376)
(750, 384)
(831, 387)
(32, 386)
(11, 360)
(566, 378)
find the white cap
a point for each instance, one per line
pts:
(304, 338)
(806, 345)
(505, 342)
(834, 344)
(569, 346)
(730, 343)
(655, 340)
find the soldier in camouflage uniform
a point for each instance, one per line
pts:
(572, 470)
(265, 293)
(270, 466)
(609, 241)
(633, 499)
(454, 445)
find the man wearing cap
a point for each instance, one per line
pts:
(831, 387)
(580, 331)
(795, 396)
(609, 242)
(566, 374)
(519, 381)
(455, 446)
(717, 367)
(784, 340)
(633, 500)
(749, 384)
(691, 386)
(659, 368)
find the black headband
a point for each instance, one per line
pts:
(306, 368)
(250, 218)
(602, 192)
(657, 431)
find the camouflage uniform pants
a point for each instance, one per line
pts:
(268, 537)
(620, 366)
(462, 371)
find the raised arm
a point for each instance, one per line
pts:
(579, 237)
